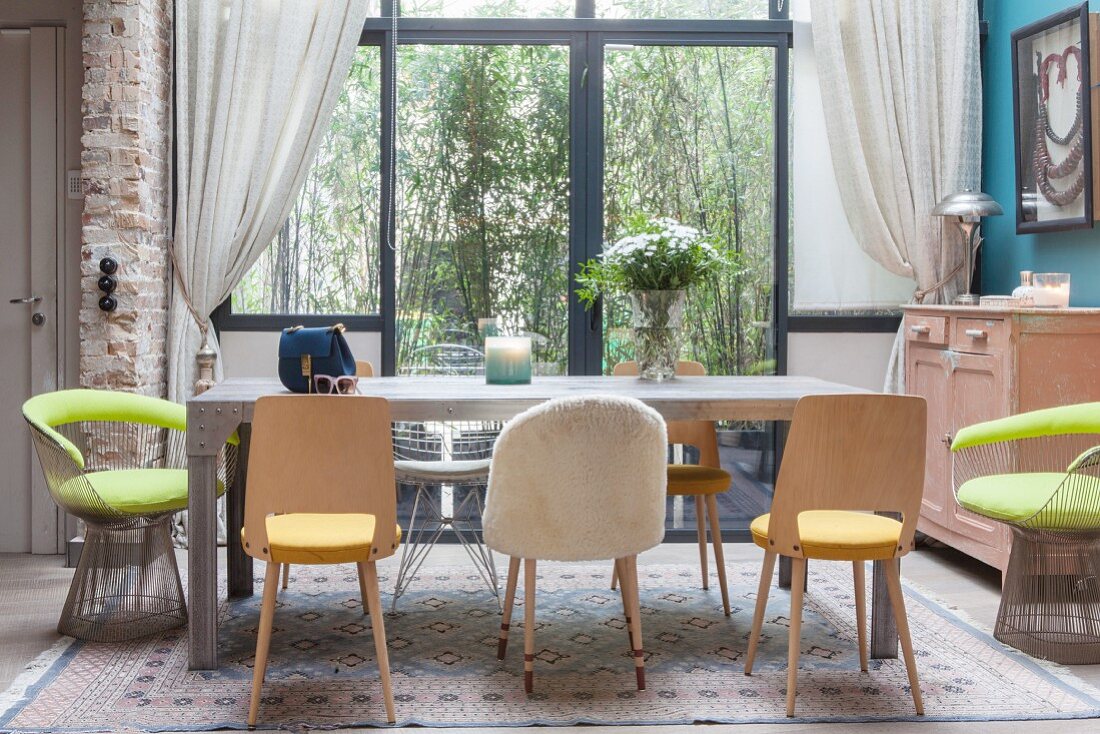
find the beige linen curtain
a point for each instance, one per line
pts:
(256, 83)
(901, 86)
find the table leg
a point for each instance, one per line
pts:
(240, 563)
(202, 561)
(884, 631)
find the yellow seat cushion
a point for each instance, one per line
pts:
(836, 535)
(320, 538)
(692, 479)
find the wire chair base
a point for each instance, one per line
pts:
(127, 584)
(423, 536)
(1050, 604)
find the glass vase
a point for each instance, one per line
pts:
(658, 316)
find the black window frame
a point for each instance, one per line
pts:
(584, 35)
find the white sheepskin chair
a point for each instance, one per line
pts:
(577, 479)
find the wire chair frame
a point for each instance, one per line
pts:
(460, 501)
(1050, 603)
(127, 583)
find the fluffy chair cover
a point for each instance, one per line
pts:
(578, 479)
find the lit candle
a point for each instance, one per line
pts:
(508, 360)
(1051, 290)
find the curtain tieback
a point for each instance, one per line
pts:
(920, 293)
(200, 320)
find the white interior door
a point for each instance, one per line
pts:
(31, 229)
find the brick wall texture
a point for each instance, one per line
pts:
(126, 162)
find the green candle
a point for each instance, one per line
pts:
(507, 360)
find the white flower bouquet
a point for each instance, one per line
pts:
(657, 254)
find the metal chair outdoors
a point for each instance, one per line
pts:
(1039, 473)
(117, 461)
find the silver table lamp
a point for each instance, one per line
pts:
(969, 206)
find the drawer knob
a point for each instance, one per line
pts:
(920, 329)
(977, 333)
(947, 439)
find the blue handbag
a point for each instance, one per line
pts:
(304, 353)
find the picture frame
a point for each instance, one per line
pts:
(1052, 122)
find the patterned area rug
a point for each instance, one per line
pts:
(442, 648)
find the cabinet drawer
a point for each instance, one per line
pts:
(925, 329)
(979, 336)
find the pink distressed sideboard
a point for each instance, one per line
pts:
(974, 364)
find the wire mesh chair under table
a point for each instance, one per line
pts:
(1039, 473)
(117, 462)
(447, 465)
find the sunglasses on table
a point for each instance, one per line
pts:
(328, 385)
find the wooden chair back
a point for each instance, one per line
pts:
(363, 368)
(700, 434)
(321, 454)
(851, 452)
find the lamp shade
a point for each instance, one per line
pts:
(967, 203)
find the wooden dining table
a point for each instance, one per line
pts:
(215, 415)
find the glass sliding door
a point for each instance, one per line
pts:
(688, 134)
(483, 202)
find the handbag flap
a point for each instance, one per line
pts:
(316, 342)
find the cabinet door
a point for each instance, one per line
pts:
(977, 394)
(928, 375)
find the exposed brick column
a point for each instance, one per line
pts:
(126, 162)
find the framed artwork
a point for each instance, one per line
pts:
(1053, 122)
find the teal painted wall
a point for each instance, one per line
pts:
(1005, 253)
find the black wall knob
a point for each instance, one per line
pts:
(108, 303)
(108, 265)
(107, 283)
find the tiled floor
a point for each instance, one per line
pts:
(32, 589)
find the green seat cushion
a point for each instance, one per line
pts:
(139, 491)
(1013, 498)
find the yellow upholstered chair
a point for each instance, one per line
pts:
(703, 481)
(363, 368)
(320, 491)
(847, 456)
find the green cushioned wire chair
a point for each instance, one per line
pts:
(116, 461)
(1039, 473)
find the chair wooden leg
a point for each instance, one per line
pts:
(529, 625)
(897, 601)
(263, 639)
(620, 565)
(794, 642)
(761, 606)
(630, 571)
(286, 575)
(615, 577)
(509, 602)
(861, 612)
(701, 532)
(381, 649)
(719, 552)
(362, 587)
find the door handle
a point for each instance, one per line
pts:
(28, 299)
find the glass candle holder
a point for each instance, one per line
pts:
(1051, 290)
(508, 360)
